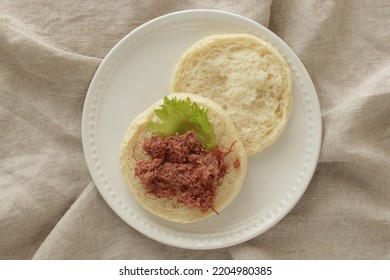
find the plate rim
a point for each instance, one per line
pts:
(91, 103)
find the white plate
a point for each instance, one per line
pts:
(136, 73)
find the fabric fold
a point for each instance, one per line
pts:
(91, 230)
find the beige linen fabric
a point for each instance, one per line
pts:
(51, 209)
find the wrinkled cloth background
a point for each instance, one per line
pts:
(50, 207)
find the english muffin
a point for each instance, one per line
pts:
(182, 177)
(247, 77)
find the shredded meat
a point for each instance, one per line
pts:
(180, 166)
(236, 163)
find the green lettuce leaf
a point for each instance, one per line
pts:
(180, 116)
